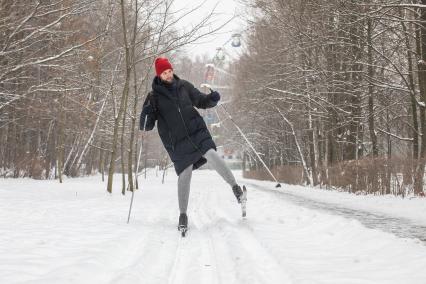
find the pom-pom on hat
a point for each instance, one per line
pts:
(161, 65)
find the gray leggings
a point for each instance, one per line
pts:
(184, 179)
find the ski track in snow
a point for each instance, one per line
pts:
(77, 233)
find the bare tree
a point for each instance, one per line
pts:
(342, 73)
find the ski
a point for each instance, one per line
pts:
(244, 202)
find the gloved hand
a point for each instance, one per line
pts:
(148, 109)
(215, 96)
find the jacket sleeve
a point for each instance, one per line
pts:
(150, 118)
(199, 99)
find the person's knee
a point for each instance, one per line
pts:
(209, 153)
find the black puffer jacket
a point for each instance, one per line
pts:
(182, 129)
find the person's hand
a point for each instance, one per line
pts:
(215, 96)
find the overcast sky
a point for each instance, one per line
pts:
(224, 11)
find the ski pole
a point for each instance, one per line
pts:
(131, 203)
(251, 146)
(133, 191)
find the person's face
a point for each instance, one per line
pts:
(167, 75)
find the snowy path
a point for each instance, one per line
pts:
(400, 226)
(77, 233)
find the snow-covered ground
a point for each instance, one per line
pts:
(77, 233)
(412, 208)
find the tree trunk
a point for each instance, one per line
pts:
(118, 114)
(371, 126)
(418, 181)
(135, 102)
(412, 86)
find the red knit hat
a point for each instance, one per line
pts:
(161, 65)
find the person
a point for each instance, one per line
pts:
(182, 130)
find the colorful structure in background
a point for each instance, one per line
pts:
(209, 75)
(216, 77)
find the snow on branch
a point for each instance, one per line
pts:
(394, 135)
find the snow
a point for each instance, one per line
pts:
(412, 208)
(75, 232)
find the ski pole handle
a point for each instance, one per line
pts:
(144, 123)
(146, 118)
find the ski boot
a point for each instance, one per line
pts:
(183, 224)
(241, 195)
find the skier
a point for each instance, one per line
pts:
(183, 131)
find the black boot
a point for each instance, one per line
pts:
(238, 192)
(183, 221)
